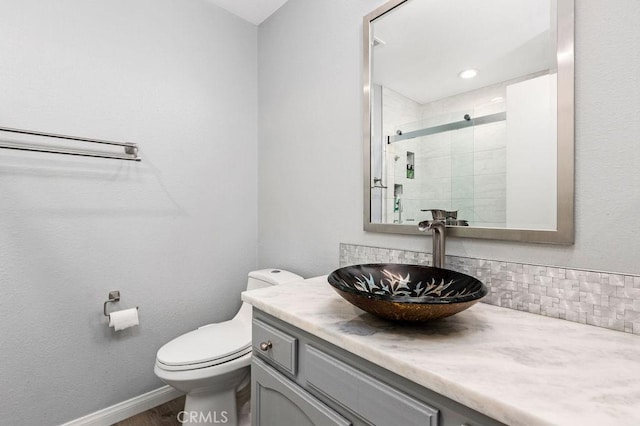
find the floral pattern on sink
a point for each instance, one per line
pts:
(395, 284)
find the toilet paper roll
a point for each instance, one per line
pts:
(120, 320)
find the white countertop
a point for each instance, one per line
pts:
(516, 367)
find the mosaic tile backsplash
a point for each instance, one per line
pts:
(597, 298)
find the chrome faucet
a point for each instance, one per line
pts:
(438, 227)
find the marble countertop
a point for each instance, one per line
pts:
(516, 367)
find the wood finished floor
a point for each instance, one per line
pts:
(165, 414)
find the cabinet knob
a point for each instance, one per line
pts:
(265, 346)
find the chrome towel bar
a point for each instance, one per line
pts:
(130, 149)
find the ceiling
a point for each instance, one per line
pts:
(426, 44)
(254, 11)
(421, 58)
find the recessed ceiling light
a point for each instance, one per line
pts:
(470, 73)
(497, 99)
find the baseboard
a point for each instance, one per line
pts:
(125, 409)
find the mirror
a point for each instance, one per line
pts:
(468, 109)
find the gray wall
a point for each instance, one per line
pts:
(176, 234)
(310, 150)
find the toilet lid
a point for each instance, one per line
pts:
(210, 345)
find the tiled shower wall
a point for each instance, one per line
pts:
(602, 299)
(462, 170)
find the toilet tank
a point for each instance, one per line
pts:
(268, 277)
(260, 279)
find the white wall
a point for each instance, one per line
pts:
(176, 234)
(310, 169)
(532, 153)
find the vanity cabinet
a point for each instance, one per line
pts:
(299, 379)
(279, 401)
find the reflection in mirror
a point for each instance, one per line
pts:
(464, 101)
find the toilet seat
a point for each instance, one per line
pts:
(207, 346)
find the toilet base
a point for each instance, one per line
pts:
(216, 408)
(210, 392)
(210, 409)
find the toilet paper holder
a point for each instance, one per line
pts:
(114, 296)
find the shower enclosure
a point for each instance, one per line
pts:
(424, 160)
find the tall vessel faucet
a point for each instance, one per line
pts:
(439, 236)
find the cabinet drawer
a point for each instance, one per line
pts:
(371, 399)
(275, 345)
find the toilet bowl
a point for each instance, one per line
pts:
(211, 364)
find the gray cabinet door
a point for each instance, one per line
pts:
(277, 401)
(374, 401)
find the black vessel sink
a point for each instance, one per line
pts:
(407, 292)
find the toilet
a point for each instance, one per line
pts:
(211, 364)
